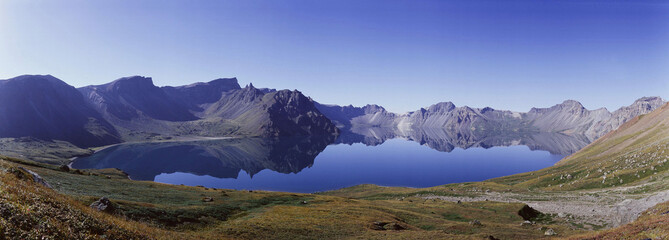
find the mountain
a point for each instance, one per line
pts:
(133, 98)
(133, 108)
(197, 94)
(216, 108)
(447, 115)
(569, 117)
(45, 107)
(272, 113)
(370, 115)
(639, 107)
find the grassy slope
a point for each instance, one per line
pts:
(179, 212)
(31, 211)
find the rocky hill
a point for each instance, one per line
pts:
(45, 107)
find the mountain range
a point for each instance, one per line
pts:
(569, 117)
(134, 109)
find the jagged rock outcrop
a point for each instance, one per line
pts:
(44, 107)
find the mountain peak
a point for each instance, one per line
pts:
(132, 82)
(45, 78)
(570, 102)
(224, 81)
(441, 107)
(649, 99)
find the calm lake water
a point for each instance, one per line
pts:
(311, 164)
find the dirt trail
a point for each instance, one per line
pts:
(603, 208)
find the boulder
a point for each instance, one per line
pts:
(393, 226)
(550, 232)
(35, 177)
(387, 226)
(526, 223)
(103, 205)
(379, 225)
(528, 213)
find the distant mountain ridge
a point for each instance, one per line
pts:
(568, 117)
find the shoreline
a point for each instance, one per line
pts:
(180, 139)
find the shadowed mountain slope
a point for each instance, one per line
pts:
(197, 94)
(47, 108)
(135, 97)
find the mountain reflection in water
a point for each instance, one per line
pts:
(343, 165)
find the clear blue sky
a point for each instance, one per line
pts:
(400, 54)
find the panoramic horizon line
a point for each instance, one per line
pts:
(331, 104)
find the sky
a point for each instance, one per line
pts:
(402, 55)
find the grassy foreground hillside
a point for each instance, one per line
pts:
(592, 194)
(162, 211)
